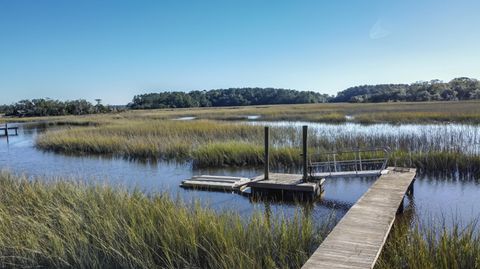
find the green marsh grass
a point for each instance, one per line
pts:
(72, 225)
(219, 143)
(431, 247)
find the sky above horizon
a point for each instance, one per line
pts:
(113, 50)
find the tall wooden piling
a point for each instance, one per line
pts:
(6, 133)
(267, 153)
(304, 153)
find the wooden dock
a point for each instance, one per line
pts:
(285, 184)
(357, 240)
(222, 183)
(4, 130)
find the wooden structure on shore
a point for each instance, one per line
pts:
(357, 240)
(4, 131)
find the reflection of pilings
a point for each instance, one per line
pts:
(335, 204)
(307, 204)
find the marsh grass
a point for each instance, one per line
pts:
(431, 246)
(399, 112)
(434, 148)
(64, 224)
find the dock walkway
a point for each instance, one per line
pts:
(357, 240)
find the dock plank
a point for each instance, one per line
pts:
(357, 240)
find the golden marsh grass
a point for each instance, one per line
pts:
(72, 225)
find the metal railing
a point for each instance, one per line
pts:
(364, 159)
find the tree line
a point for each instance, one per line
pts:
(48, 107)
(226, 97)
(435, 90)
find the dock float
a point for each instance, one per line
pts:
(286, 185)
(222, 183)
(357, 240)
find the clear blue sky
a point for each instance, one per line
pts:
(116, 49)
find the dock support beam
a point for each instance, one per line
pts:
(401, 207)
(411, 188)
(267, 153)
(304, 153)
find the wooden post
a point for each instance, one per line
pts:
(411, 188)
(6, 133)
(305, 154)
(401, 207)
(267, 153)
(334, 162)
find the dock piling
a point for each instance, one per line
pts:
(304, 153)
(267, 153)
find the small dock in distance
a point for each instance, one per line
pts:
(4, 130)
(357, 240)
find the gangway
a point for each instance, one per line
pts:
(358, 162)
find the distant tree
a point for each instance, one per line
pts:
(226, 97)
(457, 89)
(49, 107)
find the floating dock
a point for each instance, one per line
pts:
(357, 240)
(286, 185)
(222, 183)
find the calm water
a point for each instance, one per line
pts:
(434, 198)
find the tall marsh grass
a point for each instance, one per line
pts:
(399, 112)
(431, 247)
(446, 148)
(64, 225)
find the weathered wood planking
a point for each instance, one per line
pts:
(357, 240)
(224, 183)
(286, 182)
